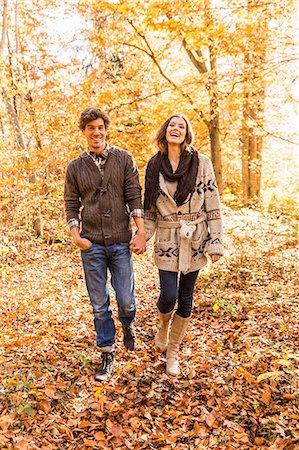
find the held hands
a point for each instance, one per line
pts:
(138, 244)
(215, 257)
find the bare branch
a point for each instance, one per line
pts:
(151, 54)
(198, 64)
(138, 99)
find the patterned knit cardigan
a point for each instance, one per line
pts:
(185, 234)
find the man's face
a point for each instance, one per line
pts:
(95, 133)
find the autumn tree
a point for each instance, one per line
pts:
(174, 44)
(253, 104)
(259, 52)
(12, 89)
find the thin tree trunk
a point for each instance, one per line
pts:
(4, 27)
(253, 116)
(216, 150)
(15, 123)
(212, 89)
(10, 102)
(32, 114)
(214, 129)
(197, 60)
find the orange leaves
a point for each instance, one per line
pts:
(22, 444)
(135, 423)
(44, 406)
(266, 397)
(90, 443)
(6, 421)
(85, 424)
(114, 428)
(238, 384)
(210, 419)
(100, 436)
(50, 391)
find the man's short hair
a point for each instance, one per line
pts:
(90, 114)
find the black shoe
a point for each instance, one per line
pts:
(129, 337)
(106, 367)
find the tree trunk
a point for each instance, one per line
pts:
(253, 113)
(10, 102)
(212, 89)
(12, 114)
(252, 144)
(4, 27)
(214, 129)
(32, 114)
(216, 150)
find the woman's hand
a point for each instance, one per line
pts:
(138, 243)
(215, 257)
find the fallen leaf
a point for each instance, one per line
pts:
(266, 375)
(90, 443)
(44, 405)
(50, 391)
(266, 397)
(117, 430)
(100, 436)
(210, 419)
(21, 445)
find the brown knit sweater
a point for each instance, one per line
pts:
(103, 203)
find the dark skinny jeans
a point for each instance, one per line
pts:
(170, 292)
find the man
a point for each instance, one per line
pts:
(102, 193)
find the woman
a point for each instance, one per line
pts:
(182, 207)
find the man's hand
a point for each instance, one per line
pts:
(138, 243)
(83, 243)
(215, 257)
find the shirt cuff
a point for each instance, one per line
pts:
(74, 223)
(137, 213)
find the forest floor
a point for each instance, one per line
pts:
(239, 383)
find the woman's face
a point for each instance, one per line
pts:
(176, 131)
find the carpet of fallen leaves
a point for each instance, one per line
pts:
(239, 383)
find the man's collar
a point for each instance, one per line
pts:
(103, 154)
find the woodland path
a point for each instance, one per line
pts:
(239, 383)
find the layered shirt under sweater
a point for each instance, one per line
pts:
(185, 234)
(102, 192)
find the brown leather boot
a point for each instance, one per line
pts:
(161, 338)
(177, 331)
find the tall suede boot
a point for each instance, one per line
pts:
(177, 331)
(161, 338)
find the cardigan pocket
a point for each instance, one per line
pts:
(202, 234)
(197, 247)
(165, 235)
(166, 250)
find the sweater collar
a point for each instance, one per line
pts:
(109, 149)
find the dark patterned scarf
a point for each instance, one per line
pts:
(185, 175)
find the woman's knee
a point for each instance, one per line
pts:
(184, 311)
(167, 301)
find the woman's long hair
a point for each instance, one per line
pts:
(160, 138)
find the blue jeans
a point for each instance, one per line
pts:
(118, 259)
(170, 292)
